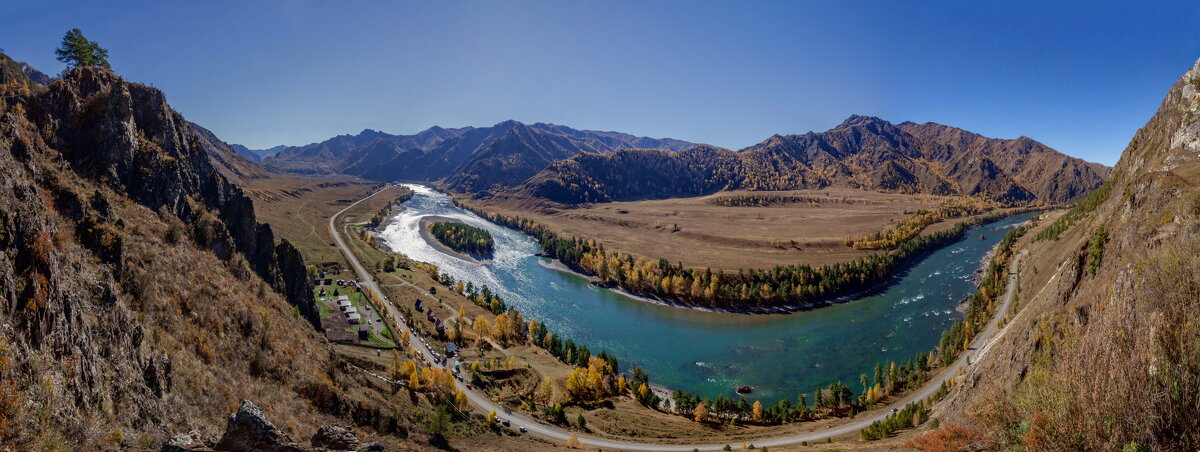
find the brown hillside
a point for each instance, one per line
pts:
(1104, 353)
(139, 296)
(862, 153)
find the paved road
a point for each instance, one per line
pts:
(560, 434)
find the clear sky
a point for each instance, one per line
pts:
(1078, 76)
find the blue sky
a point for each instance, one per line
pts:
(1080, 77)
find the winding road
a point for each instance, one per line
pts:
(982, 342)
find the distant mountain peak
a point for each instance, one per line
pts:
(860, 120)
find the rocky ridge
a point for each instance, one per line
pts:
(862, 152)
(138, 293)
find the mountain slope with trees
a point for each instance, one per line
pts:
(862, 152)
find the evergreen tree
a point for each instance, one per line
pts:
(78, 51)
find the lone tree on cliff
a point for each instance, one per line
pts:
(77, 50)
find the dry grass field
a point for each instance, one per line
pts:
(702, 232)
(298, 209)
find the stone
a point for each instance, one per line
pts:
(335, 437)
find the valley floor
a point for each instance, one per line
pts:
(701, 232)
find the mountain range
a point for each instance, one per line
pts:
(861, 152)
(569, 166)
(468, 159)
(256, 155)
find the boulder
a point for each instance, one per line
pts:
(186, 442)
(249, 430)
(335, 437)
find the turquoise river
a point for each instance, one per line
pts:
(780, 355)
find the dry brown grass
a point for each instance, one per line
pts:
(699, 232)
(298, 209)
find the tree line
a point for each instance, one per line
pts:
(463, 238)
(917, 221)
(377, 219)
(775, 199)
(783, 286)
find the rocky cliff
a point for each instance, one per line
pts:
(139, 296)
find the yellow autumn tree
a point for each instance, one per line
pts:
(592, 382)
(532, 329)
(394, 370)
(545, 391)
(701, 412)
(481, 328)
(414, 381)
(757, 411)
(460, 400)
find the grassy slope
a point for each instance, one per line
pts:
(1101, 357)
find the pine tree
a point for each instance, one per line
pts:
(78, 51)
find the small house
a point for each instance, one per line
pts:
(349, 309)
(353, 318)
(343, 303)
(364, 332)
(451, 349)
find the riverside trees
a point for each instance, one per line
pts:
(463, 238)
(781, 286)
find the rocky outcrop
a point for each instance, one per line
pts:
(248, 430)
(137, 290)
(126, 136)
(335, 437)
(231, 162)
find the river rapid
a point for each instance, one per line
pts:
(712, 353)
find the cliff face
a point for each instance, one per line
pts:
(139, 296)
(125, 136)
(1104, 353)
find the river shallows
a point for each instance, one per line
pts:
(781, 355)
